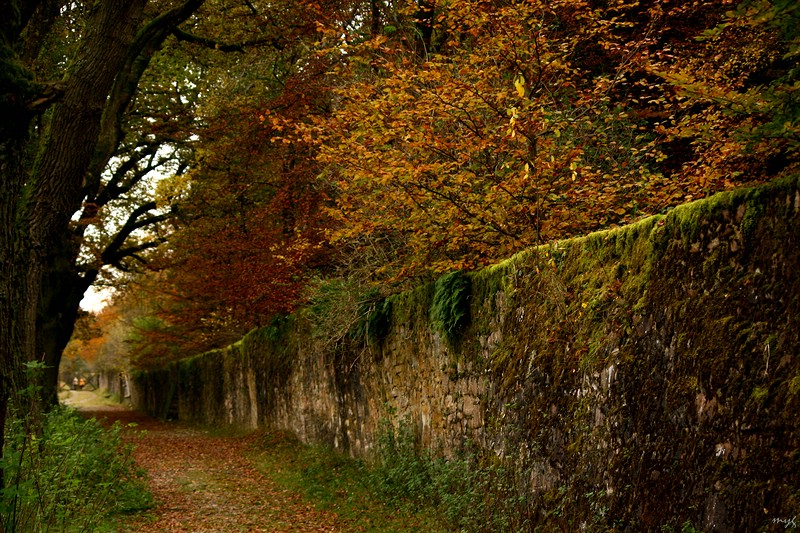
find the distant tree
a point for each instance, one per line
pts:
(98, 339)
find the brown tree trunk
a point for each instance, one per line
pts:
(15, 336)
(61, 291)
(117, 52)
(38, 198)
(60, 172)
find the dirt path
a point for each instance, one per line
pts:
(205, 483)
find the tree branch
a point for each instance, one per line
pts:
(118, 185)
(113, 253)
(49, 94)
(112, 189)
(227, 47)
(39, 18)
(203, 41)
(146, 43)
(133, 251)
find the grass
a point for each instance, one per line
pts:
(89, 399)
(333, 482)
(401, 488)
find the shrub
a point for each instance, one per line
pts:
(473, 493)
(402, 473)
(70, 474)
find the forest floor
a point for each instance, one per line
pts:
(205, 482)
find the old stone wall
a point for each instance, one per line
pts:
(650, 372)
(115, 382)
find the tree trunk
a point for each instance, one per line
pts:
(37, 207)
(59, 177)
(40, 288)
(117, 52)
(60, 294)
(16, 336)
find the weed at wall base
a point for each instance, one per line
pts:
(473, 493)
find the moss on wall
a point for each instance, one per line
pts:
(643, 378)
(652, 366)
(449, 311)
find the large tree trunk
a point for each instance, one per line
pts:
(116, 53)
(60, 174)
(16, 335)
(61, 292)
(38, 198)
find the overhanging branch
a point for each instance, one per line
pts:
(226, 47)
(116, 250)
(49, 94)
(147, 42)
(203, 41)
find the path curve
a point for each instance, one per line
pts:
(205, 483)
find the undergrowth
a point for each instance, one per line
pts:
(471, 492)
(402, 488)
(336, 483)
(349, 310)
(68, 474)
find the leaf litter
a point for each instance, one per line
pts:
(204, 482)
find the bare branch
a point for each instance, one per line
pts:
(115, 250)
(203, 41)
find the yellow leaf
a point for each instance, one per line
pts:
(519, 84)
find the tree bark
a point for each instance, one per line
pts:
(60, 294)
(98, 101)
(40, 283)
(58, 179)
(16, 90)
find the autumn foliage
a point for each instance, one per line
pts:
(247, 227)
(415, 138)
(478, 128)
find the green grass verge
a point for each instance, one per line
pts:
(339, 484)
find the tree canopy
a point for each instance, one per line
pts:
(491, 126)
(229, 157)
(398, 141)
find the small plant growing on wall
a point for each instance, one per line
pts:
(379, 319)
(450, 308)
(373, 319)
